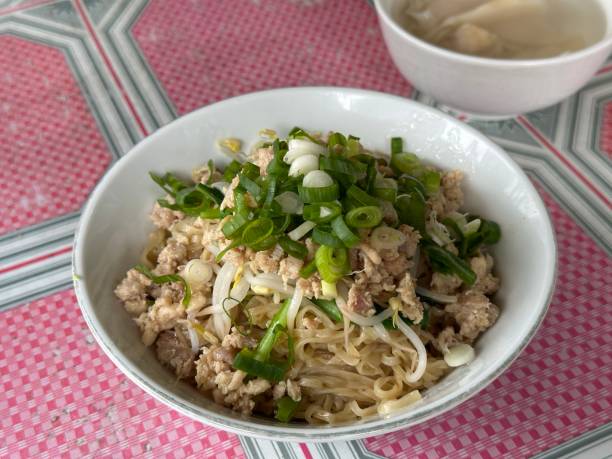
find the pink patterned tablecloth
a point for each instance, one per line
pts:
(81, 81)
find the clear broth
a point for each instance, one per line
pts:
(505, 29)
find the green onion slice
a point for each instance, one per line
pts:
(443, 261)
(293, 248)
(340, 165)
(332, 263)
(309, 269)
(257, 362)
(364, 217)
(250, 185)
(318, 194)
(257, 232)
(344, 233)
(411, 210)
(327, 238)
(360, 196)
(233, 227)
(397, 145)
(330, 308)
(165, 279)
(285, 408)
(231, 170)
(322, 212)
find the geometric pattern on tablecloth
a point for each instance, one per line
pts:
(113, 23)
(62, 396)
(48, 130)
(228, 46)
(75, 112)
(149, 94)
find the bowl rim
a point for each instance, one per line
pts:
(297, 432)
(455, 56)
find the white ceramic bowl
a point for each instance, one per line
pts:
(490, 88)
(114, 228)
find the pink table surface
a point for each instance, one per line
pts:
(82, 81)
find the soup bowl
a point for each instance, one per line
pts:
(489, 88)
(114, 227)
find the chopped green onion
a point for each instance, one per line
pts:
(364, 217)
(453, 228)
(328, 289)
(308, 269)
(320, 194)
(406, 184)
(250, 185)
(257, 362)
(231, 170)
(212, 214)
(371, 174)
(330, 308)
(411, 210)
(431, 181)
(397, 145)
(247, 361)
(293, 248)
(277, 167)
(424, 323)
(168, 205)
(323, 237)
(300, 231)
(322, 212)
(235, 243)
(344, 233)
(336, 143)
(258, 234)
(285, 408)
(353, 147)
(240, 201)
(211, 193)
(281, 223)
(407, 163)
(443, 261)
(165, 279)
(192, 201)
(340, 165)
(299, 133)
(332, 263)
(250, 170)
(211, 170)
(488, 233)
(169, 183)
(162, 183)
(290, 202)
(232, 228)
(362, 197)
(387, 194)
(270, 183)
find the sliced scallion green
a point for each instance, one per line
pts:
(332, 263)
(293, 248)
(327, 238)
(165, 279)
(322, 212)
(343, 232)
(319, 194)
(364, 217)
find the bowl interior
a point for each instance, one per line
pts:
(393, 10)
(114, 227)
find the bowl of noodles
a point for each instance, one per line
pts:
(314, 264)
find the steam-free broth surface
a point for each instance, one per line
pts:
(507, 29)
